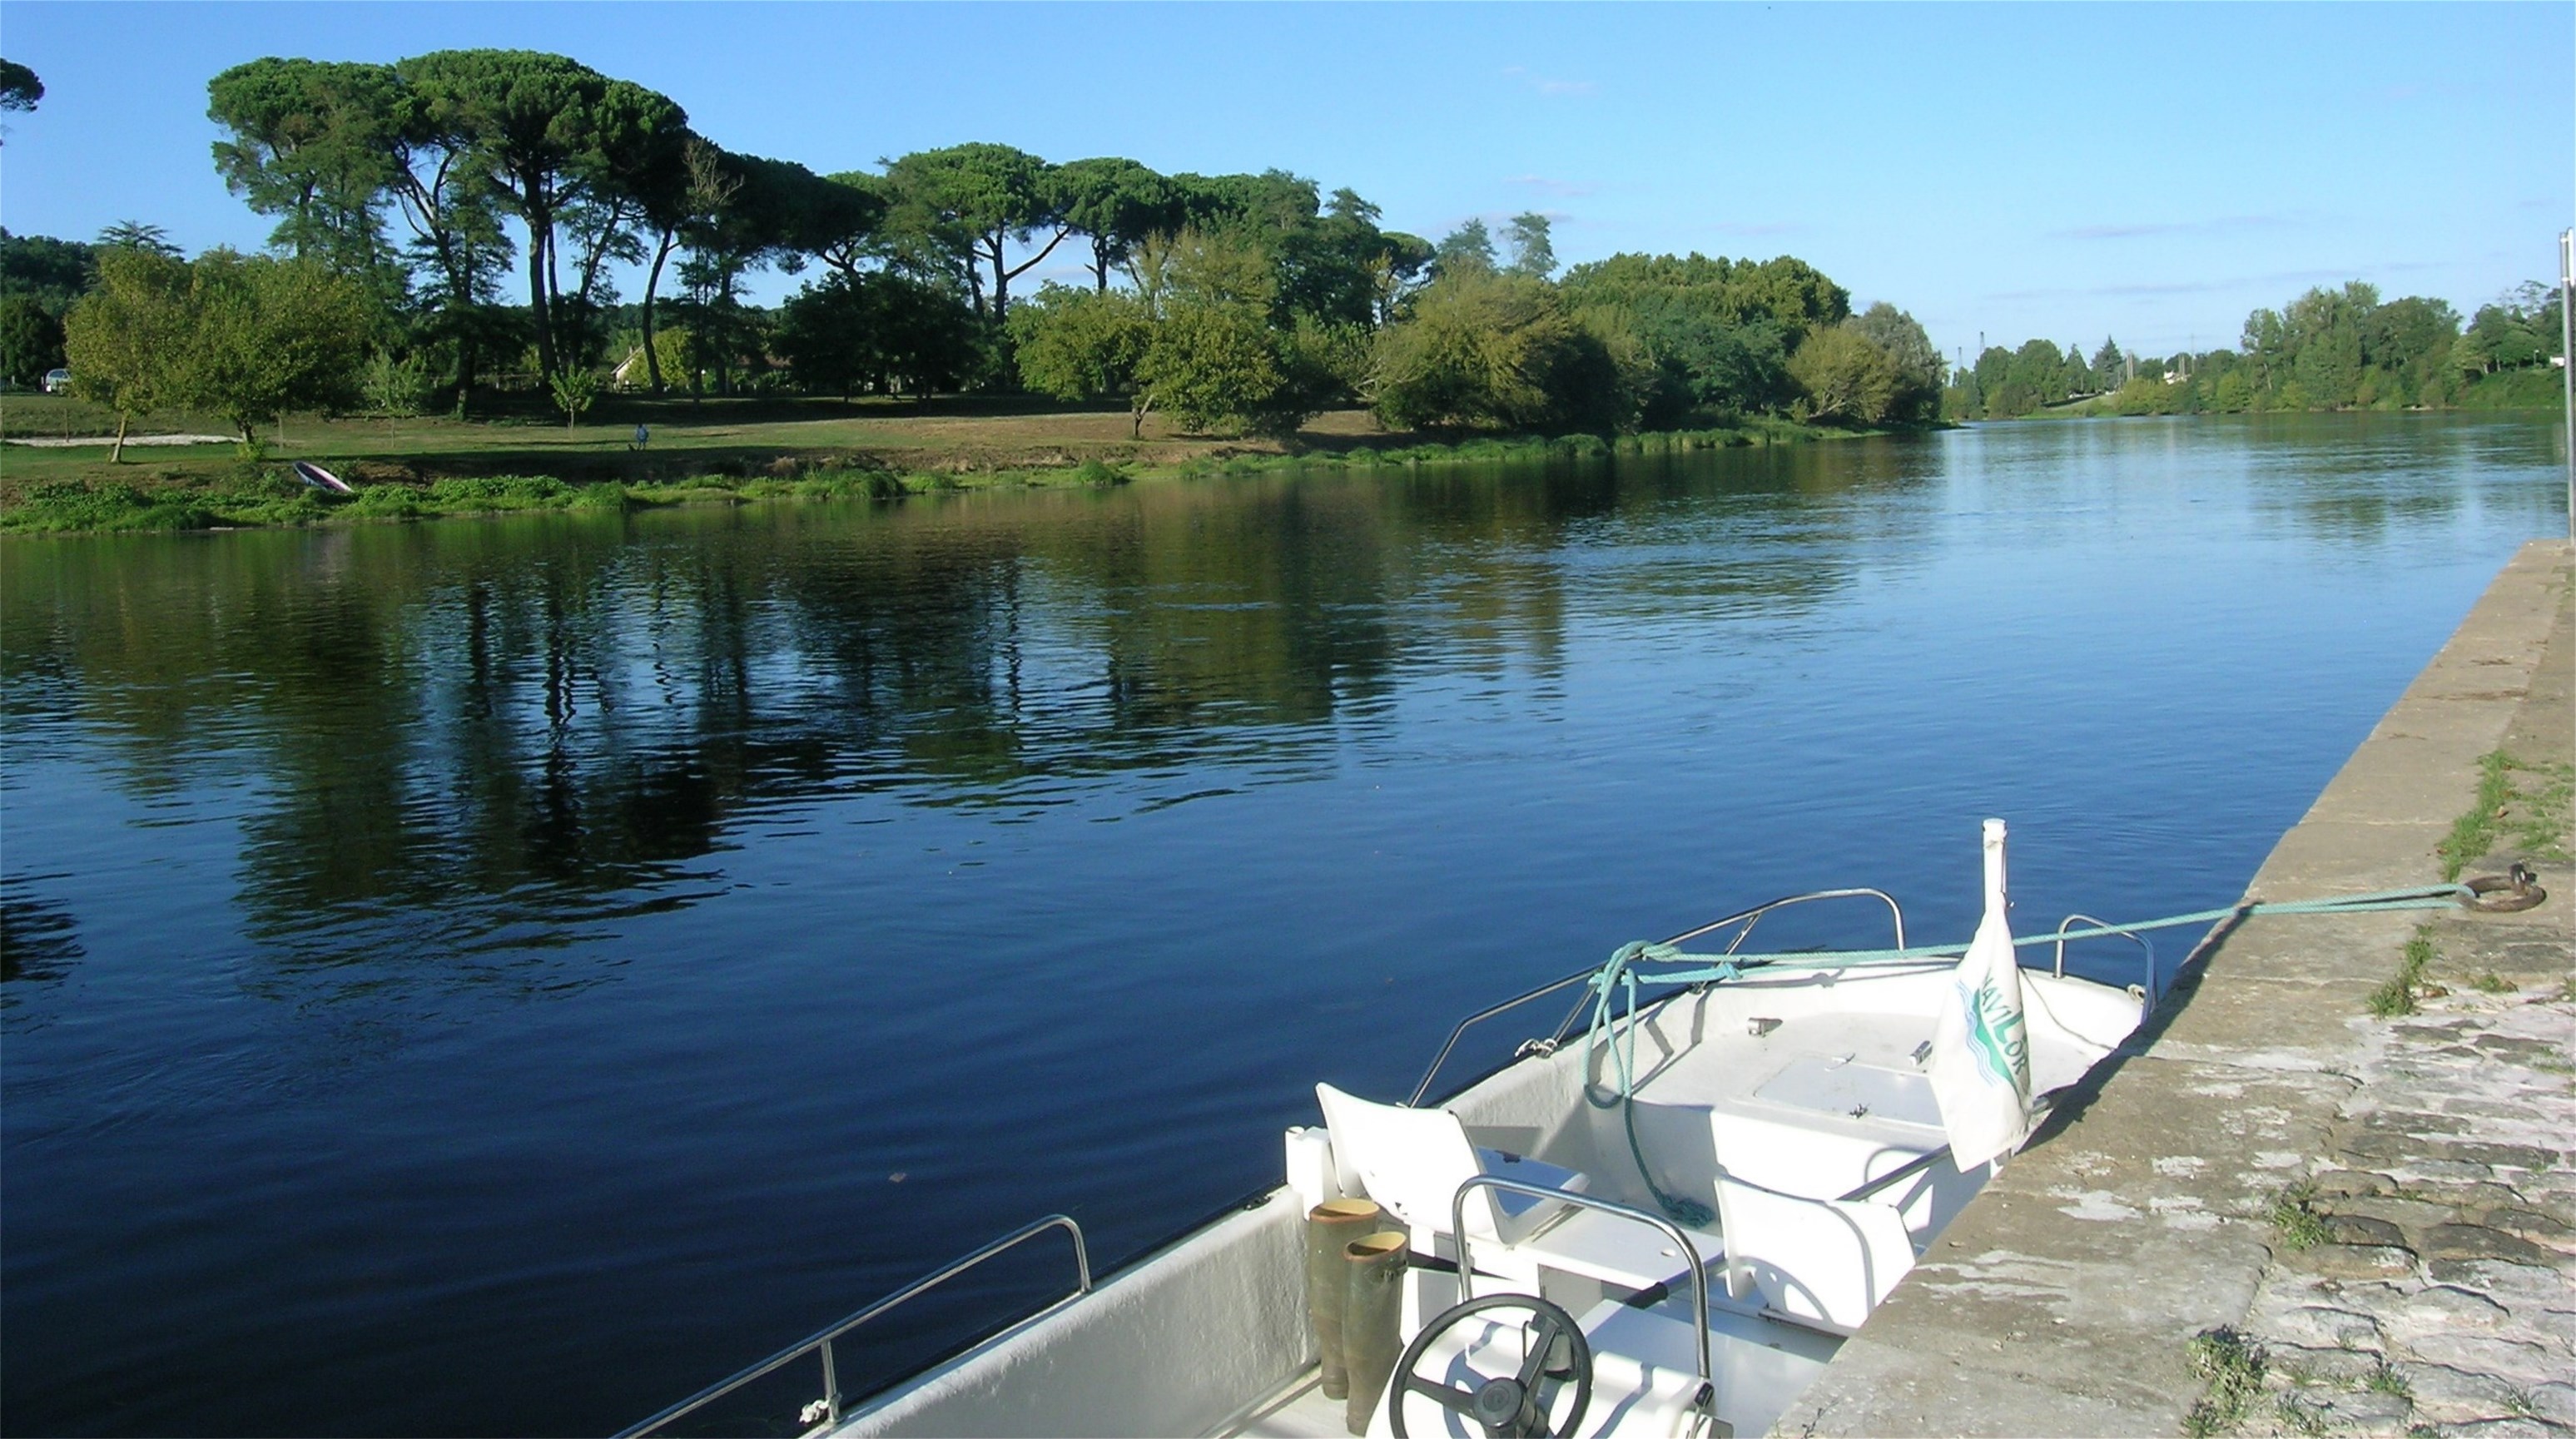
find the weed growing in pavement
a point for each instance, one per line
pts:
(2295, 1216)
(2233, 1365)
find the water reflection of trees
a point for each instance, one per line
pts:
(527, 728)
(38, 939)
(2367, 479)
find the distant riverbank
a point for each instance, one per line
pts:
(2506, 391)
(735, 453)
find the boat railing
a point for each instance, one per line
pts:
(826, 1412)
(2140, 940)
(1707, 1395)
(1484, 1014)
(1746, 918)
(1751, 917)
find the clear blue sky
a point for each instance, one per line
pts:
(2152, 172)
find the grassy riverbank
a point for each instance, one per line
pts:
(725, 452)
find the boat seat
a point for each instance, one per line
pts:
(1413, 1160)
(1603, 1247)
(1824, 1263)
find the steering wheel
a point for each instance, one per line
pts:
(1514, 1406)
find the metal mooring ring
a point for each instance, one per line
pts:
(2505, 893)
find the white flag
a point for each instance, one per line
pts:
(1981, 1046)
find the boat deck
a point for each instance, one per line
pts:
(1759, 1368)
(1300, 1411)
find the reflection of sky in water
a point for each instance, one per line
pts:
(488, 969)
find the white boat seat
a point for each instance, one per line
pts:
(1605, 1247)
(1825, 1263)
(1823, 1125)
(1411, 1161)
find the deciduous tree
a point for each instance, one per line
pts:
(1847, 379)
(268, 336)
(31, 339)
(54, 271)
(1917, 366)
(1213, 365)
(1077, 346)
(1718, 331)
(575, 391)
(876, 328)
(124, 337)
(1500, 352)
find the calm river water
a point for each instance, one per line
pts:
(495, 977)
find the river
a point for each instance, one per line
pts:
(493, 977)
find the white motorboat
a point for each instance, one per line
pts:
(1671, 1217)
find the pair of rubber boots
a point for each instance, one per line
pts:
(1355, 1262)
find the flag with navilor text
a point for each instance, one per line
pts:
(1980, 1061)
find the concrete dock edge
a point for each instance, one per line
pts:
(2065, 1298)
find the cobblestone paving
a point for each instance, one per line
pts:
(2425, 1278)
(2438, 1290)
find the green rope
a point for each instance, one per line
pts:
(1620, 975)
(1620, 971)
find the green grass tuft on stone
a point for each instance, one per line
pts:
(2530, 813)
(2293, 1214)
(2397, 996)
(2299, 1416)
(2233, 1365)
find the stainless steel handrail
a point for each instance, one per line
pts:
(1754, 915)
(1707, 1398)
(2140, 940)
(1481, 1015)
(1746, 917)
(828, 1409)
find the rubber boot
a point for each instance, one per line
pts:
(1330, 1226)
(1371, 1338)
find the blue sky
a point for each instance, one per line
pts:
(2151, 172)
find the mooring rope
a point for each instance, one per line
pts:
(1620, 974)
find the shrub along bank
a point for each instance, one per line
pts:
(247, 493)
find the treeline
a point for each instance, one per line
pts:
(407, 194)
(2325, 350)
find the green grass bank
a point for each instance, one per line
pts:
(718, 453)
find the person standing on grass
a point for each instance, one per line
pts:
(643, 437)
